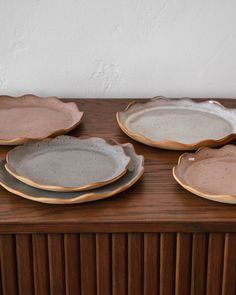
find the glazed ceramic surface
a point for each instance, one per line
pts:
(209, 173)
(30, 117)
(66, 163)
(178, 124)
(134, 172)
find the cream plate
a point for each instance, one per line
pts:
(209, 173)
(178, 124)
(66, 163)
(30, 117)
(134, 172)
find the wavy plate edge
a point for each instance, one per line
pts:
(21, 140)
(171, 144)
(228, 199)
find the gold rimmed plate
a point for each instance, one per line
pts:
(178, 124)
(134, 172)
(209, 173)
(66, 163)
(30, 117)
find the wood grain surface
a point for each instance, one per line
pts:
(155, 203)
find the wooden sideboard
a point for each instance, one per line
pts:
(155, 238)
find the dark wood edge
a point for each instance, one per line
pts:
(116, 227)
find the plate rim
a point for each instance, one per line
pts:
(172, 144)
(21, 140)
(227, 199)
(60, 188)
(78, 199)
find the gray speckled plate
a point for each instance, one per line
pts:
(178, 124)
(134, 172)
(66, 163)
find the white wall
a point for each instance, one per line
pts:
(118, 48)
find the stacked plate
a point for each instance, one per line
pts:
(67, 170)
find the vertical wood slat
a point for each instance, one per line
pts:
(1, 292)
(24, 264)
(229, 271)
(151, 263)
(199, 263)
(215, 263)
(167, 263)
(41, 267)
(56, 264)
(119, 264)
(103, 261)
(135, 264)
(183, 264)
(72, 264)
(8, 265)
(88, 264)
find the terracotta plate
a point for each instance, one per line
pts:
(66, 163)
(209, 173)
(178, 124)
(31, 117)
(134, 172)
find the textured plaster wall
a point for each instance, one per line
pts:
(118, 48)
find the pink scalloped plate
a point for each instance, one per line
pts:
(30, 117)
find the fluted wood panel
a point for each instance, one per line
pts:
(9, 265)
(119, 264)
(151, 263)
(133, 263)
(40, 263)
(103, 264)
(88, 264)
(199, 263)
(229, 272)
(215, 263)
(183, 264)
(167, 263)
(72, 264)
(24, 264)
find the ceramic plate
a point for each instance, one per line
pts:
(178, 124)
(209, 173)
(134, 172)
(31, 117)
(66, 163)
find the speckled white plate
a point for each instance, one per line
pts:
(178, 124)
(30, 117)
(134, 172)
(66, 163)
(209, 173)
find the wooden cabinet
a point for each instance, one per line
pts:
(155, 238)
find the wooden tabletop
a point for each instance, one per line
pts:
(155, 203)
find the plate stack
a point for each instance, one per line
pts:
(66, 170)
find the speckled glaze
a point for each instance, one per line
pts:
(209, 173)
(66, 163)
(134, 172)
(178, 124)
(30, 117)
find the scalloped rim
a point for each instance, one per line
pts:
(21, 140)
(58, 188)
(229, 199)
(87, 197)
(171, 144)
